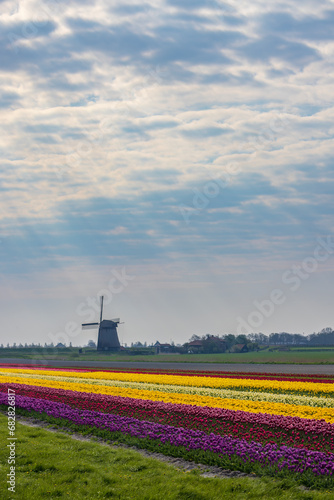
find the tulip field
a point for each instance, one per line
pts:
(262, 424)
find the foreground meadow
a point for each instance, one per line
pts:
(53, 465)
(261, 424)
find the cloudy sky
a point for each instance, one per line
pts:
(173, 155)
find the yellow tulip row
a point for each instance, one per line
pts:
(302, 411)
(193, 381)
(320, 402)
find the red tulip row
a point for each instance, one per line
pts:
(291, 431)
(324, 379)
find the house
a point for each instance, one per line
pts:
(239, 348)
(208, 344)
(162, 348)
(196, 343)
(217, 340)
(214, 344)
(195, 346)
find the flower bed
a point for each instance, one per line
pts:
(294, 431)
(191, 415)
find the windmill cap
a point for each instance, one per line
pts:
(109, 323)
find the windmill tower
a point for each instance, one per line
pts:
(108, 338)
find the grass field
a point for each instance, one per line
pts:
(312, 357)
(53, 465)
(307, 356)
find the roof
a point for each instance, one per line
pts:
(196, 343)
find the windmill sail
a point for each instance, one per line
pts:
(88, 326)
(101, 308)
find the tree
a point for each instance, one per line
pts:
(299, 339)
(259, 338)
(211, 344)
(241, 339)
(138, 344)
(274, 338)
(230, 340)
(195, 337)
(326, 330)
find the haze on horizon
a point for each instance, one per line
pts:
(175, 156)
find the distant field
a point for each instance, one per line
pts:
(294, 356)
(304, 357)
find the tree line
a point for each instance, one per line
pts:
(323, 338)
(255, 341)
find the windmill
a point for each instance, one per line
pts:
(108, 338)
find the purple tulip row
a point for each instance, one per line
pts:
(293, 459)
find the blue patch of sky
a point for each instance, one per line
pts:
(198, 4)
(307, 28)
(7, 99)
(296, 53)
(206, 132)
(309, 109)
(46, 139)
(42, 127)
(128, 9)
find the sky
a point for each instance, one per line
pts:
(175, 156)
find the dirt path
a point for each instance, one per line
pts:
(204, 470)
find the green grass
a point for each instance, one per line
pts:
(290, 357)
(307, 356)
(53, 465)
